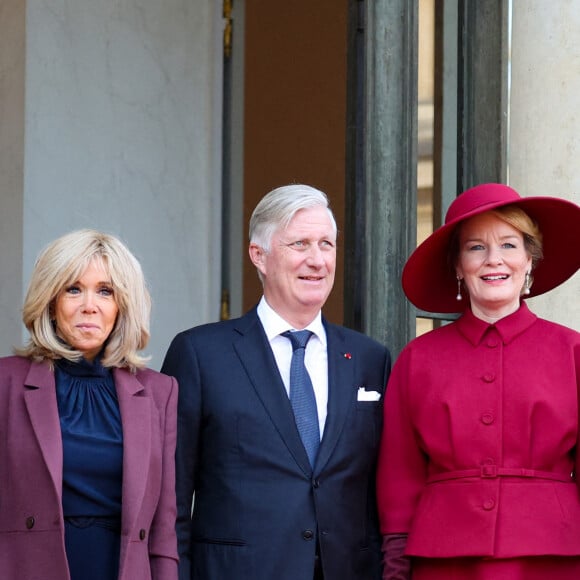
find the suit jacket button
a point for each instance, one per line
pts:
(142, 534)
(30, 521)
(308, 534)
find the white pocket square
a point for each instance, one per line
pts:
(364, 395)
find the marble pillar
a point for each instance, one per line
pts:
(12, 73)
(544, 122)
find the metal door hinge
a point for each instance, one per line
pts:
(228, 28)
(225, 306)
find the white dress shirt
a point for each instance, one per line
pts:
(315, 358)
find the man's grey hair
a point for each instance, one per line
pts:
(277, 208)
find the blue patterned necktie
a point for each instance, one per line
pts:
(302, 394)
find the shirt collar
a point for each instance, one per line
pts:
(475, 329)
(274, 324)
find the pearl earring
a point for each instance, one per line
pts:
(458, 297)
(527, 284)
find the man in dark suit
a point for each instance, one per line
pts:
(272, 499)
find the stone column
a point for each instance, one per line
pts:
(390, 167)
(12, 73)
(544, 133)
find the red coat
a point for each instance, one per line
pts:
(31, 518)
(480, 437)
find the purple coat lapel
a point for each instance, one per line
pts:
(40, 400)
(136, 418)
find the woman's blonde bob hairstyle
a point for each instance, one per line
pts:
(61, 264)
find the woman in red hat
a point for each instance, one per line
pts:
(477, 466)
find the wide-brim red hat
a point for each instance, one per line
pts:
(430, 283)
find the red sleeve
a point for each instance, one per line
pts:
(402, 465)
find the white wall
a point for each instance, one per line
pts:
(122, 133)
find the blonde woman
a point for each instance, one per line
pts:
(88, 432)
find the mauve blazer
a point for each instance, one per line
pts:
(31, 518)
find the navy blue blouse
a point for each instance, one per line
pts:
(92, 439)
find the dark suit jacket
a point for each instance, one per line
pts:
(259, 509)
(31, 519)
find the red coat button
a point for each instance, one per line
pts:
(488, 504)
(30, 521)
(487, 418)
(142, 534)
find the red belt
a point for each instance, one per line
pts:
(492, 471)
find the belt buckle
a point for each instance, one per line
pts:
(488, 471)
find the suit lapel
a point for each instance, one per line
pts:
(40, 400)
(136, 419)
(340, 393)
(255, 354)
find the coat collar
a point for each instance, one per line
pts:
(508, 328)
(40, 401)
(136, 419)
(255, 354)
(341, 391)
